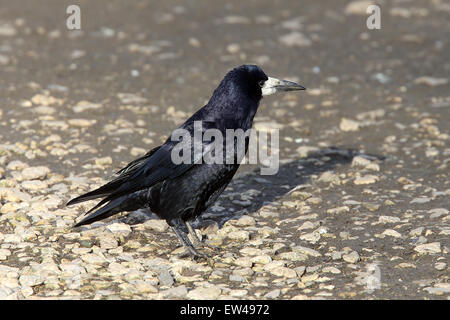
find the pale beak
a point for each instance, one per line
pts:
(273, 85)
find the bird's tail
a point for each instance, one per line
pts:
(103, 191)
(128, 202)
(112, 186)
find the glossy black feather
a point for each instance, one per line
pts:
(183, 191)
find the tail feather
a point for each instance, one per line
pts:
(104, 212)
(112, 186)
(97, 193)
(130, 202)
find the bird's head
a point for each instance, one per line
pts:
(254, 82)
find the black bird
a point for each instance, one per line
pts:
(180, 192)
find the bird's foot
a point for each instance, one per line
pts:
(188, 245)
(197, 256)
(208, 259)
(198, 242)
(211, 247)
(202, 244)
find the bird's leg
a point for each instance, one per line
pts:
(177, 226)
(193, 234)
(190, 249)
(196, 240)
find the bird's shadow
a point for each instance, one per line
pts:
(249, 191)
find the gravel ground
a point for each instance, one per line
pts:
(334, 223)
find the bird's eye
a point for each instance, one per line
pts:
(261, 83)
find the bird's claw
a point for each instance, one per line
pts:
(211, 247)
(199, 256)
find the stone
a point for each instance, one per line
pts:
(305, 151)
(295, 39)
(44, 110)
(431, 81)
(310, 277)
(274, 264)
(237, 278)
(283, 272)
(328, 176)
(251, 251)
(46, 100)
(233, 48)
(416, 231)
(262, 259)
(314, 200)
(359, 161)
(273, 294)
(308, 225)
(428, 248)
(33, 173)
(438, 212)
(158, 225)
(7, 293)
(440, 266)
(119, 228)
(373, 167)
(16, 165)
(108, 242)
(81, 123)
(34, 185)
(232, 19)
(293, 256)
(176, 292)
(4, 253)
(245, 272)
(30, 280)
(7, 30)
(9, 282)
(8, 207)
(204, 293)
(82, 106)
(392, 233)
(165, 278)
(388, 219)
(244, 262)
(352, 257)
(420, 200)
(240, 235)
(92, 258)
(4, 60)
(246, 221)
(371, 115)
(137, 152)
(105, 161)
(338, 210)
(239, 293)
(358, 7)
(439, 289)
(349, 125)
(331, 270)
(144, 287)
(307, 251)
(405, 265)
(131, 98)
(367, 179)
